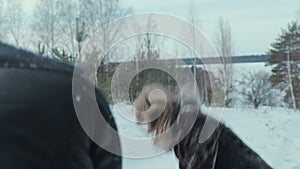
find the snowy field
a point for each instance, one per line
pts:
(272, 133)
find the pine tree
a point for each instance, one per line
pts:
(285, 60)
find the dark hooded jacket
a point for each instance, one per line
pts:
(39, 128)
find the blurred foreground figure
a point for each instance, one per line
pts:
(39, 128)
(222, 150)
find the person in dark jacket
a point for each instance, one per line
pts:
(39, 128)
(222, 150)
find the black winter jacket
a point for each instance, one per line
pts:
(223, 150)
(39, 128)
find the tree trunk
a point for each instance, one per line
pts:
(291, 83)
(256, 104)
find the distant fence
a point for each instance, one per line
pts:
(235, 59)
(110, 66)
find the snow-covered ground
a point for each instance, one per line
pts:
(273, 133)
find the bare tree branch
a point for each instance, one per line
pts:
(2, 21)
(256, 88)
(224, 46)
(15, 20)
(47, 23)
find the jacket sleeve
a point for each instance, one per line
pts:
(101, 157)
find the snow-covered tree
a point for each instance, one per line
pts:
(97, 14)
(255, 88)
(47, 23)
(68, 15)
(15, 21)
(285, 62)
(2, 29)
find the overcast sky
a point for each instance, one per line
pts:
(255, 24)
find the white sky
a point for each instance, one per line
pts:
(255, 24)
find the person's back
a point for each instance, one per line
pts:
(38, 124)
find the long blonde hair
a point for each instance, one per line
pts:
(155, 104)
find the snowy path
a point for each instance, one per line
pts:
(273, 133)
